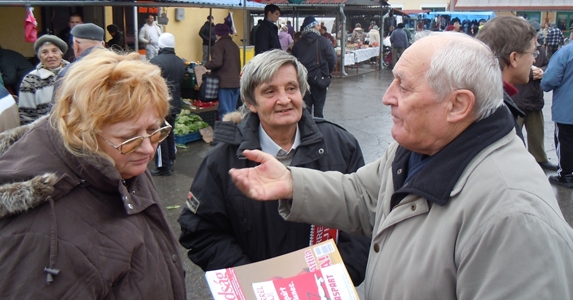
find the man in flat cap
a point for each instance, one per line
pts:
(86, 36)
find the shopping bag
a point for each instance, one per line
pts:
(209, 89)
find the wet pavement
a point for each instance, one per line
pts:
(355, 103)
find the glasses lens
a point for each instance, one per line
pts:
(130, 145)
(159, 135)
(535, 54)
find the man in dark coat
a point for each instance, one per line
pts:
(317, 54)
(220, 226)
(529, 99)
(173, 70)
(116, 42)
(208, 36)
(267, 35)
(253, 34)
(67, 36)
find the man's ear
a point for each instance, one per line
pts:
(461, 106)
(252, 108)
(513, 59)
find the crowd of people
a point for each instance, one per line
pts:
(457, 207)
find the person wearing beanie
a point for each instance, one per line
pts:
(173, 70)
(226, 63)
(117, 41)
(317, 54)
(35, 95)
(148, 35)
(358, 35)
(267, 35)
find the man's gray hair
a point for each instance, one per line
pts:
(467, 63)
(261, 69)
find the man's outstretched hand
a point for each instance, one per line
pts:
(270, 180)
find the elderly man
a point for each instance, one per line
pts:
(456, 208)
(223, 228)
(559, 79)
(86, 37)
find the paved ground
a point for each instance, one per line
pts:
(356, 104)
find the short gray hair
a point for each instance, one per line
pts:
(467, 63)
(261, 69)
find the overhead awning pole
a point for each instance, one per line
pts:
(124, 29)
(245, 24)
(135, 29)
(210, 28)
(381, 45)
(342, 41)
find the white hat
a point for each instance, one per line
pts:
(166, 40)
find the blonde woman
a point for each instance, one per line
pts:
(80, 215)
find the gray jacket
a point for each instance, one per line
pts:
(495, 231)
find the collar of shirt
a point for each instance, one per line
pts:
(269, 146)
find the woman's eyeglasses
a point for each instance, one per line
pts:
(132, 144)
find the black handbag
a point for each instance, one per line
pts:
(319, 79)
(209, 89)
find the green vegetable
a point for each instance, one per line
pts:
(186, 122)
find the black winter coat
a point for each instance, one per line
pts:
(173, 70)
(267, 37)
(305, 51)
(530, 95)
(204, 33)
(229, 229)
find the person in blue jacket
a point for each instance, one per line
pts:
(559, 79)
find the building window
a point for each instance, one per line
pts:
(434, 9)
(564, 20)
(530, 15)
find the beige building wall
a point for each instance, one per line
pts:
(12, 37)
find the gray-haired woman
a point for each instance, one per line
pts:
(35, 97)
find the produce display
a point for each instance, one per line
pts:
(187, 122)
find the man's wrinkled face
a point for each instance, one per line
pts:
(419, 117)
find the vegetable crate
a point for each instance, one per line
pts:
(209, 117)
(187, 138)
